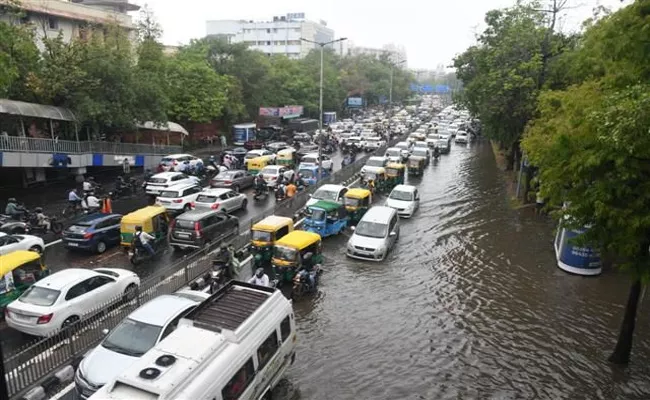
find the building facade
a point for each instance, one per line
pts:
(279, 36)
(394, 52)
(70, 18)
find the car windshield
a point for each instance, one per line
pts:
(284, 253)
(157, 180)
(309, 160)
(204, 198)
(420, 152)
(133, 338)
(317, 214)
(270, 171)
(261, 236)
(169, 193)
(375, 163)
(307, 173)
(184, 223)
(322, 194)
(400, 195)
(39, 296)
(349, 201)
(393, 153)
(371, 229)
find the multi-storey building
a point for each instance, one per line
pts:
(282, 35)
(394, 52)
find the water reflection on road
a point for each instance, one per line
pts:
(470, 305)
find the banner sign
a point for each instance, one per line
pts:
(442, 89)
(120, 159)
(285, 112)
(414, 87)
(355, 101)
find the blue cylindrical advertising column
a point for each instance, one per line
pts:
(574, 259)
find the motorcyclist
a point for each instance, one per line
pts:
(183, 167)
(120, 184)
(143, 239)
(260, 184)
(73, 198)
(226, 256)
(436, 152)
(199, 168)
(280, 191)
(212, 162)
(88, 185)
(41, 219)
(308, 266)
(260, 278)
(90, 203)
(14, 210)
(291, 190)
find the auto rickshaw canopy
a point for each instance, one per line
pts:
(15, 259)
(272, 223)
(299, 240)
(358, 193)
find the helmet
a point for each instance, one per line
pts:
(259, 272)
(138, 228)
(38, 210)
(12, 200)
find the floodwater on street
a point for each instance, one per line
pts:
(470, 304)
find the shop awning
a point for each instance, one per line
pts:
(21, 108)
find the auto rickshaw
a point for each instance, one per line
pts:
(309, 174)
(264, 234)
(416, 165)
(326, 218)
(357, 201)
(286, 157)
(152, 219)
(18, 271)
(256, 165)
(394, 175)
(378, 177)
(289, 252)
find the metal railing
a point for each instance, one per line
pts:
(34, 362)
(38, 145)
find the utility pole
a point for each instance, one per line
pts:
(390, 90)
(320, 103)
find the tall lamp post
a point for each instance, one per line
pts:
(390, 91)
(320, 107)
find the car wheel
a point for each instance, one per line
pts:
(100, 247)
(69, 321)
(130, 292)
(36, 249)
(244, 203)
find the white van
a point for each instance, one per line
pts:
(236, 344)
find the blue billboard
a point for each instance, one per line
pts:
(355, 102)
(442, 89)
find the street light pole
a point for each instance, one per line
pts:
(320, 102)
(390, 90)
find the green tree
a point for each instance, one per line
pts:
(592, 147)
(19, 58)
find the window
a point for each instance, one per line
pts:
(77, 290)
(267, 350)
(172, 325)
(268, 30)
(285, 329)
(97, 282)
(275, 30)
(239, 382)
(268, 42)
(52, 23)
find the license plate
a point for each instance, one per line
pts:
(185, 235)
(20, 316)
(71, 244)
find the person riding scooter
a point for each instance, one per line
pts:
(260, 278)
(14, 210)
(143, 239)
(260, 185)
(42, 220)
(436, 152)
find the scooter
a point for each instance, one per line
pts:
(138, 254)
(301, 282)
(29, 225)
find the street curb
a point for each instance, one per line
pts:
(63, 375)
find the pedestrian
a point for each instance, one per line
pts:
(224, 143)
(126, 166)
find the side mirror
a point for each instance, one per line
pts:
(105, 331)
(392, 234)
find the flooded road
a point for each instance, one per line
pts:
(469, 304)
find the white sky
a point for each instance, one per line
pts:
(433, 32)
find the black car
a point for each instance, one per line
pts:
(194, 229)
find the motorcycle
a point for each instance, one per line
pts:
(29, 225)
(261, 193)
(138, 254)
(301, 282)
(127, 189)
(219, 275)
(280, 195)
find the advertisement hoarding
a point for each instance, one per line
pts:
(355, 102)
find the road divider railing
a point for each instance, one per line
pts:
(37, 363)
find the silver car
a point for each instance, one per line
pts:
(375, 234)
(221, 199)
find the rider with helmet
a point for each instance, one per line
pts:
(260, 278)
(14, 210)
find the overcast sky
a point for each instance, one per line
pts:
(432, 31)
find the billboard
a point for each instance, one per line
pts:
(284, 112)
(355, 102)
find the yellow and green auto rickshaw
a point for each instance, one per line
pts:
(416, 165)
(378, 178)
(289, 252)
(357, 201)
(264, 234)
(286, 157)
(152, 219)
(256, 165)
(18, 271)
(394, 175)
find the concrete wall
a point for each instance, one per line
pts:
(45, 160)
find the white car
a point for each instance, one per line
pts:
(11, 243)
(373, 164)
(328, 192)
(421, 144)
(163, 180)
(405, 147)
(272, 172)
(394, 154)
(405, 199)
(134, 336)
(226, 200)
(373, 143)
(375, 234)
(462, 137)
(61, 299)
(168, 163)
(312, 159)
(267, 154)
(179, 197)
